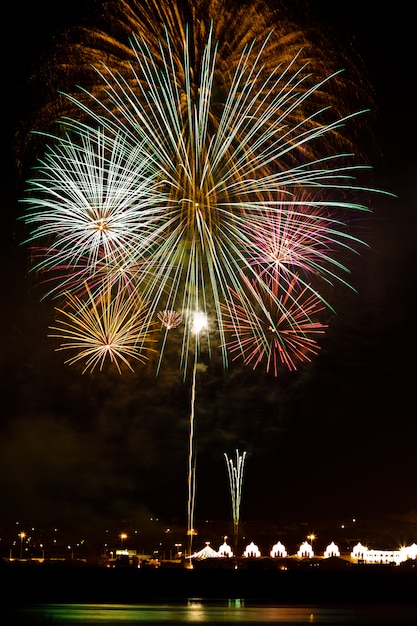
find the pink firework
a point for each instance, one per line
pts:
(169, 318)
(281, 332)
(292, 236)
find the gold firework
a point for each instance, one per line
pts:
(105, 327)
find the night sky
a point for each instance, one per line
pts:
(335, 440)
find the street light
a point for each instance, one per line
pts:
(312, 537)
(22, 535)
(122, 537)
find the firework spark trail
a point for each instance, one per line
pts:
(235, 474)
(192, 461)
(169, 319)
(199, 323)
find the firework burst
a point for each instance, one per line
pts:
(299, 236)
(169, 319)
(191, 189)
(92, 198)
(108, 327)
(283, 329)
(103, 42)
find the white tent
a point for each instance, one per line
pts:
(206, 553)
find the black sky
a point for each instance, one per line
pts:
(335, 440)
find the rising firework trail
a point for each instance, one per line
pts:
(192, 462)
(199, 323)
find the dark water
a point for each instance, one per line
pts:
(85, 596)
(195, 611)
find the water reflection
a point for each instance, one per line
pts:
(196, 611)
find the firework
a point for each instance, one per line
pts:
(169, 319)
(281, 332)
(192, 460)
(91, 199)
(198, 324)
(103, 42)
(235, 474)
(207, 167)
(296, 236)
(188, 187)
(106, 328)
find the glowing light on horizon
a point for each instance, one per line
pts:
(305, 551)
(331, 550)
(278, 550)
(225, 549)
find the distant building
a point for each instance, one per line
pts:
(365, 555)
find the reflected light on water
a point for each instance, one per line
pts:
(197, 611)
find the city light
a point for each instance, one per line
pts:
(22, 535)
